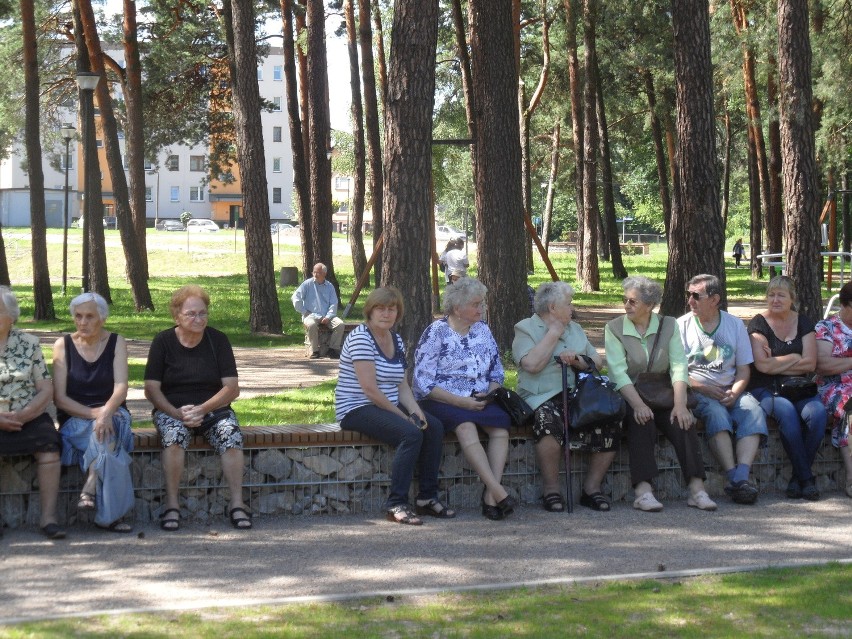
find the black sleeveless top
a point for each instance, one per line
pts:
(89, 383)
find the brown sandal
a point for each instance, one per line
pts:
(434, 508)
(86, 501)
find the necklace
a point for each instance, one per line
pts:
(99, 348)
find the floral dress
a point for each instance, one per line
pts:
(836, 390)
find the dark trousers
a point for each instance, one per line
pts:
(641, 440)
(414, 448)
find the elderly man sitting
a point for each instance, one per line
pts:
(316, 300)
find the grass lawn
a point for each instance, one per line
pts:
(782, 604)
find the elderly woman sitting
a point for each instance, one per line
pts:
(25, 392)
(191, 379)
(539, 340)
(89, 387)
(642, 341)
(455, 365)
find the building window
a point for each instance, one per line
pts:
(276, 165)
(196, 194)
(99, 143)
(196, 162)
(62, 161)
(173, 163)
(174, 194)
(276, 134)
(259, 74)
(276, 73)
(276, 103)
(149, 193)
(276, 195)
(148, 166)
(341, 183)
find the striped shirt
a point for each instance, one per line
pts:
(360, 345)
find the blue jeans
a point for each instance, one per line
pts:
(801, 426)
(744, 418)
(414, 447)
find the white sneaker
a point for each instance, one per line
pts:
(648, 503)
(701, 500)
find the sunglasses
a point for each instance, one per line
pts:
(695, 295)
(629, 301)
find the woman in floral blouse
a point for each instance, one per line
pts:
(456, 364)
(25, 392)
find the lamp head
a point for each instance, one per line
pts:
(67, 131)
(88, 80)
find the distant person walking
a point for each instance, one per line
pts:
(739, 251)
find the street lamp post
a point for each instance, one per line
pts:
(67, 132)
(156, 198)
(87, 81)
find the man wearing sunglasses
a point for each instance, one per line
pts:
(719, 353)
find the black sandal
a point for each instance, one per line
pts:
(434, 508)
(240, 523)
(117, 526)
(553, 503)
(170, 525)
(595, 501)
(408, 517)
(53, 531)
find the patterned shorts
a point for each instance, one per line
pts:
(222, 435)
(548, 421)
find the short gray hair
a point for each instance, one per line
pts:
(10, 303)
(712, 285)
(551, 293)
(650, 292)
(462, 292)
(85, 298)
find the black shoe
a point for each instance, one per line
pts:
(315, 355)
(810, 491)
(333, 354)
(491, 512)
(506, 505)
(794, 490)
(742, 492)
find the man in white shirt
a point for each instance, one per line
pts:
(718, 353)
(316, 300)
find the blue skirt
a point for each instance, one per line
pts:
(451, 416)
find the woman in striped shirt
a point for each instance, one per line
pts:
(373, 397)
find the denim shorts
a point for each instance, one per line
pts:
(743, 419)
(221, 435)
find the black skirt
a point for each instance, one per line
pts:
(36, 436)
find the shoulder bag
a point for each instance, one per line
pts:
(655, 389)
(515, 405)
(795, 388)
(594, 402)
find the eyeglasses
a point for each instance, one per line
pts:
(629, 301)
(695, 295)
(192, 315)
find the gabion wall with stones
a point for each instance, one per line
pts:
(354, 479)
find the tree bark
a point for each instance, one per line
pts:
(801, 191)
(696, 219)
(408, 161)
(775, 213)
(589, 275)
(497, 174)
(551, 184)
(306, 227)
(726, 169)
(264, 312)
(42, 293)
(380, 52)
(576, 88)
(756, 227)
(659, 150)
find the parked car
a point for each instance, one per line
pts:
(170, 225)
(79, 222)
(445, 233)
(282, 225)
(201, 226)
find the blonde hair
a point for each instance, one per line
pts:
(184, 293)
(384, 296)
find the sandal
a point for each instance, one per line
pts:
(240, 523)
(403, 514)
(434, 508)
(553, 503)
(171, 524)
(86, 501)
(53, 531)
(118, 526)
(595, 501)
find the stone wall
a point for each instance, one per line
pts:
(353, 479)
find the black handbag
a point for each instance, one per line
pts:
(519, 411)
(595, 402)
(796, 388)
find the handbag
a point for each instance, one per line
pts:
(595, 402)
(796, 388)
(655, 389)
(515, 405)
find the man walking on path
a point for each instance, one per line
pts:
(316, 300)
(718, 352)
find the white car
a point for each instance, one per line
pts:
(445, 233)
(201, 226)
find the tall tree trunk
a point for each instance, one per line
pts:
(135, 146)
(775, 213)
(801, 191)
(297, 143)
(42, 293)
(306, 227)
(355, 207)
(408, 160)
(4, 265)
(373, 130)
(756, 228)
(696, 244)
(589, 276)
(497, 175)
(726, 169)
(547, 222)
(135, 264)
(264, 312)
(95, 276)
(526, 177)
(320, 139)
(380, 52)
(659, 150)
(576, 88)
(610, 225)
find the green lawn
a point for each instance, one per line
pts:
(781, 604)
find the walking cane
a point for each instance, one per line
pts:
(569, 490)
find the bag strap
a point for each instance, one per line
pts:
(593, 370)
(654, 346)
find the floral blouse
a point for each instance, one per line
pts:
(459, 364)
(21, 366)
